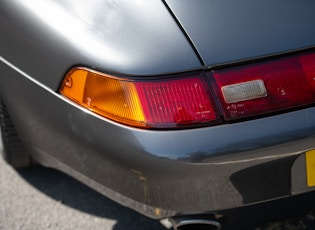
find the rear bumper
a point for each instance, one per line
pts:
(163, 173)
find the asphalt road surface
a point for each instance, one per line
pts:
(40, 198)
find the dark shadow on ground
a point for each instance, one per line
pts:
(72, 193)
(294, 213)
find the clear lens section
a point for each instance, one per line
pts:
(244, 91)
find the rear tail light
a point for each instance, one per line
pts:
(189, 101)
(160, 104)
(266, 87)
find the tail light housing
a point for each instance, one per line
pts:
(196, 99)
(162, 103)
(266, 87)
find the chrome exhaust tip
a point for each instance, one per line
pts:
(195, 223)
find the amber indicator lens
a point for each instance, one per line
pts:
(112, 98)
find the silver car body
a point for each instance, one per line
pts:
(160, 173)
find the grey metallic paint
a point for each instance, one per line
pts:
(127, 165)
(122, 37)
(158, 173)
(230, 31)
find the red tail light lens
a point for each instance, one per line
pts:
(266, 87)
(308, 65)
(176, 102)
